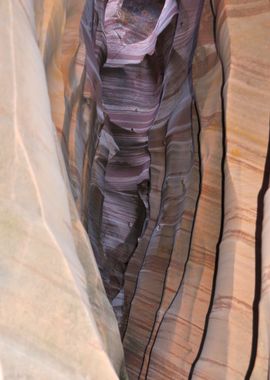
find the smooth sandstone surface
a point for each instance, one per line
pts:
(246, 118)
(56, 321)
(145, 125)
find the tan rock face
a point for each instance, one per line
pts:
(141, 128)
(56, 322)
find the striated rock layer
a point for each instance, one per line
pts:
(56, 321)
(145, 125)
(245, 93)
(173, 240)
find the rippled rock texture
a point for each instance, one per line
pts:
(142, 127)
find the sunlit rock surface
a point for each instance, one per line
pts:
(141, 128)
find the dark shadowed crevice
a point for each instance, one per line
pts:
(258, 261)
(130, 94)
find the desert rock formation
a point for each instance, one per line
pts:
(135, 168)
(56, 321)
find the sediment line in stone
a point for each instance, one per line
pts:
(258, 261)
(222, 200)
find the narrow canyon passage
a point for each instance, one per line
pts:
(134, 189)
(145, 178)
(156, 199)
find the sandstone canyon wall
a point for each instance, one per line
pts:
(56, 321)
(140, 129)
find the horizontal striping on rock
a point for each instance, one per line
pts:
(144, 124)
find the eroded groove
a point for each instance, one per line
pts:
(186, 261)
(183, 251)
(222, 199)
(258, 261)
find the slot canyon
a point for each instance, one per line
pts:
(134, 177)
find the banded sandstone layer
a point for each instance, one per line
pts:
(162, 117)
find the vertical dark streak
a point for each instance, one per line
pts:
(258, 261)
(222, 203)
(127, 314)
(196, 206)
(189, 248)
(194, 42)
